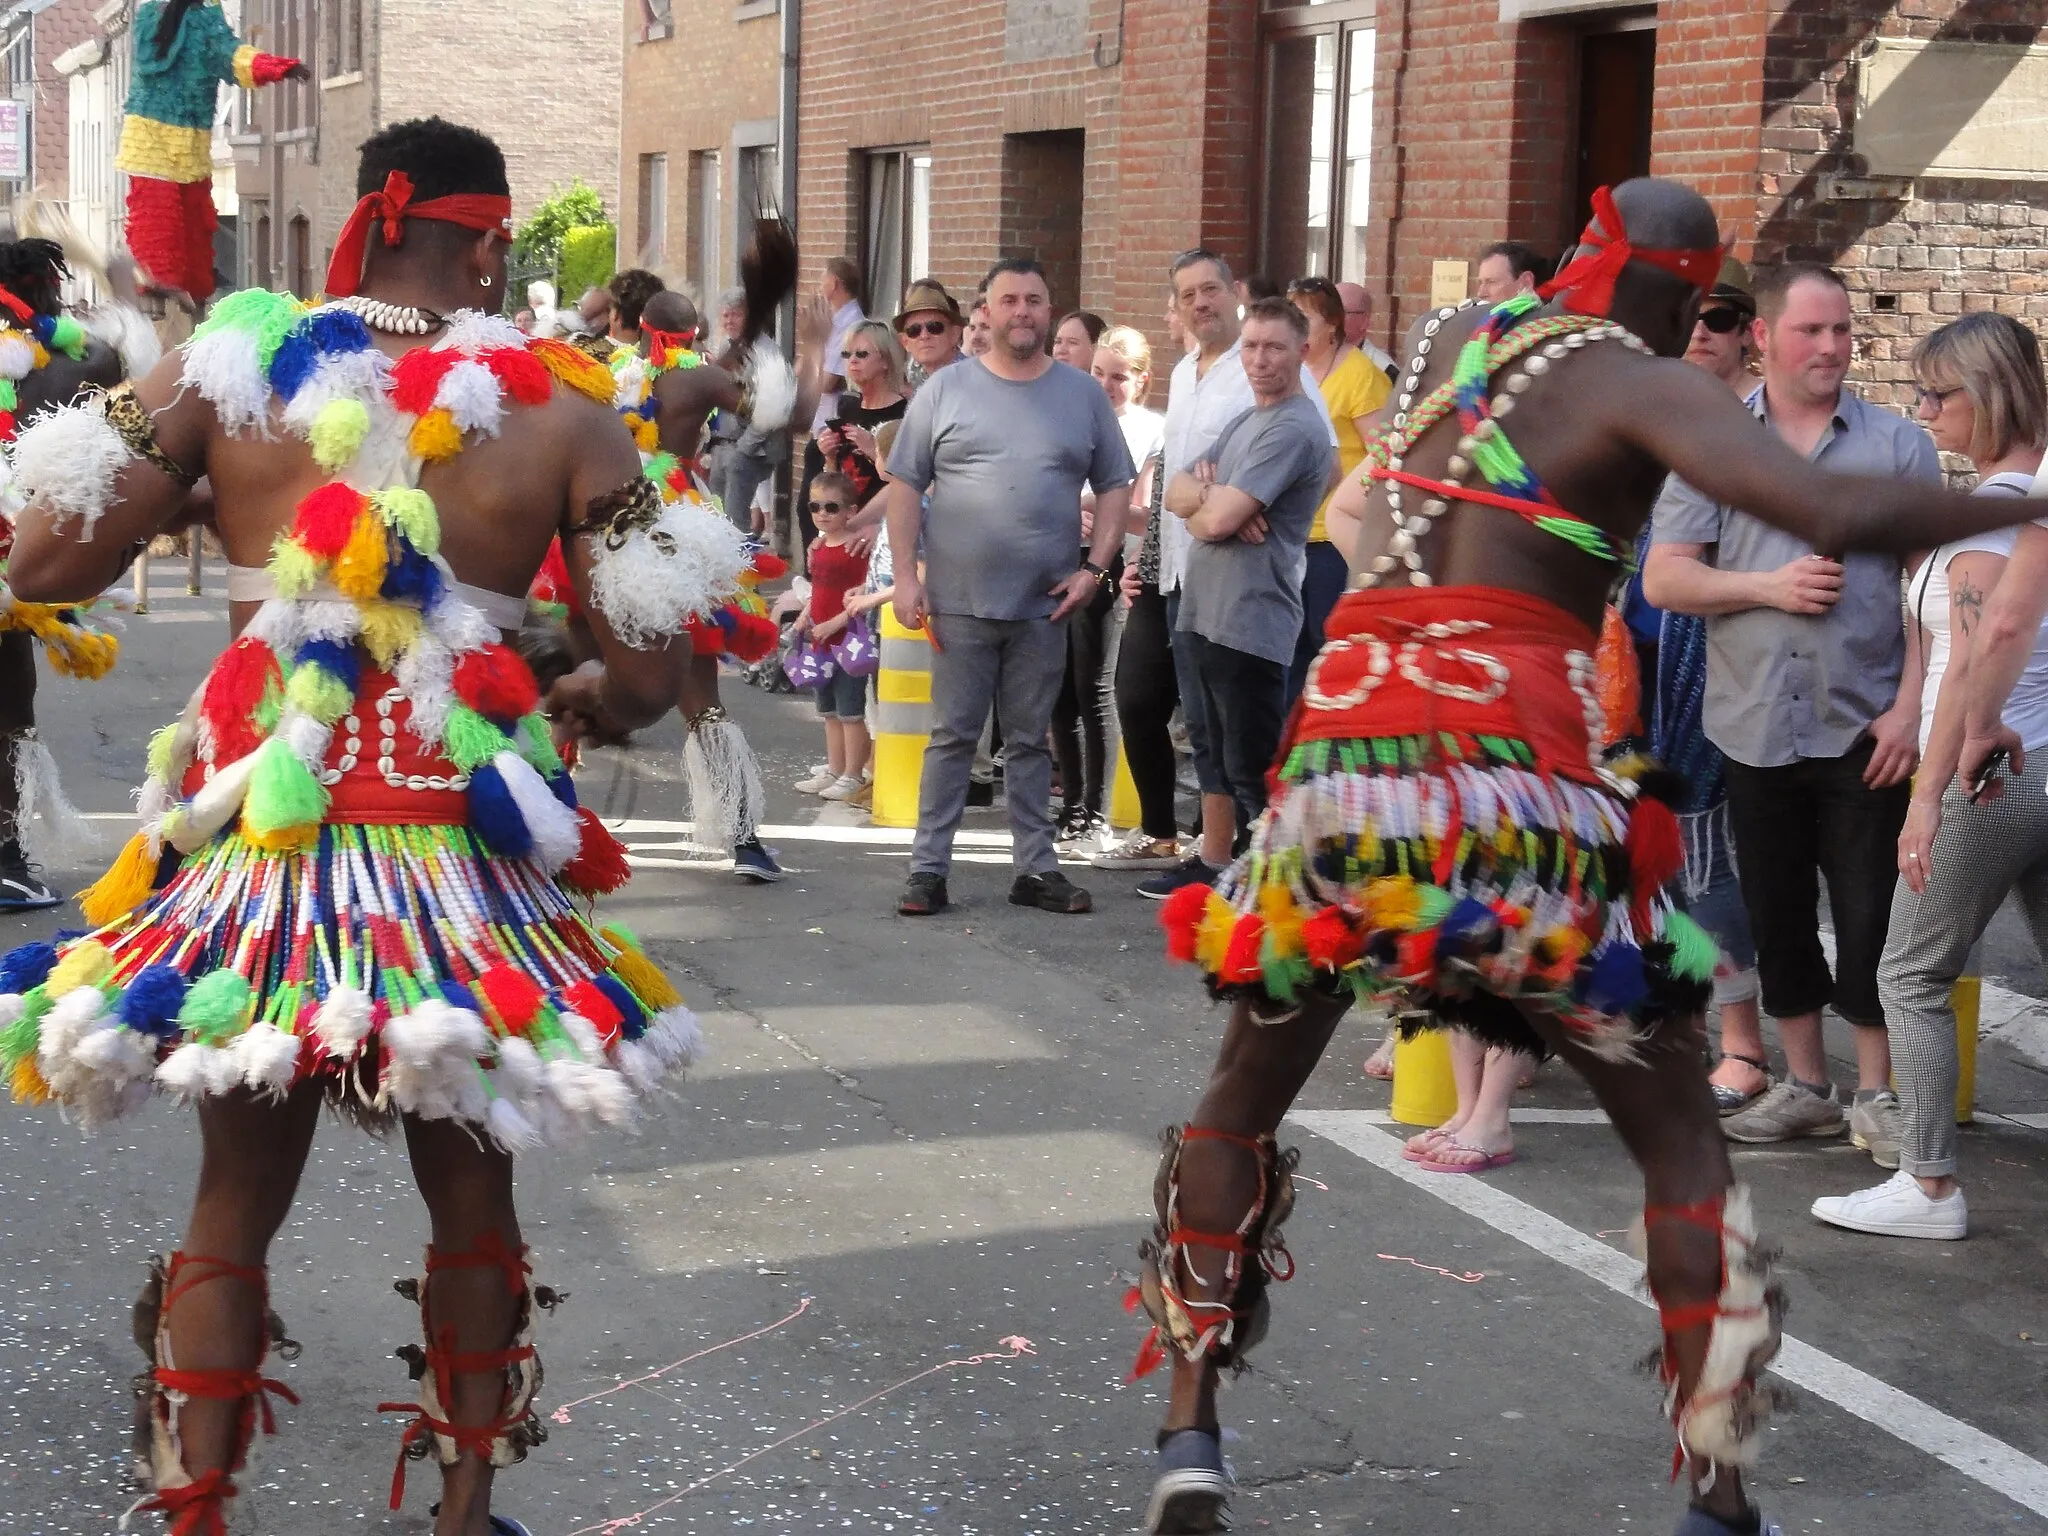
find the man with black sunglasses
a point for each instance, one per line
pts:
(930, 324)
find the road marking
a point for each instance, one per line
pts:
(1981, 1457)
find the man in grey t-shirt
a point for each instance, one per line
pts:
(1249, 501)
(1003, 443)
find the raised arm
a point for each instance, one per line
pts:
(102, 477)
(1691, 423)
(609, 507)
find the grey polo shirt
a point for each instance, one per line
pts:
(1782, 687)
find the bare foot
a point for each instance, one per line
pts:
(1424, 1142)
(1380, 1064)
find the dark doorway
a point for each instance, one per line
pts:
(1617, 76)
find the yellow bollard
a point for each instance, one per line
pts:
(1123, 795)
(1966, 996)
(1425, 1093)
(903, 721)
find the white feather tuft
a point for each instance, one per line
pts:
(185, 1073)
(459, 624)
(426, 676)
(469, 392)
(66, 460)
(330, 618)
(774, 386)
(128, 331)
(724, 781)
(637, 1065)
(281, 625)
(343, 1022)
(555, 831)
(51, 827)
(676, 1038)
(227, 370)
(267, 1059)
(646, 594)
(471, 330)
(307, 737)
(339, 376)
(509, 1128)
(17, 355)
(583, 1035)
(519, 1073)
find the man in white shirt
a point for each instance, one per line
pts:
(1210, 392)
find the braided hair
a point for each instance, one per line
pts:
(34, 272)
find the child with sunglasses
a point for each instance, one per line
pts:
(836, 573)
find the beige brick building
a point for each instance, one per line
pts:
(698, 153)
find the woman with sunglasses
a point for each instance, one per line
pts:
(1981, 394)
(873, 365)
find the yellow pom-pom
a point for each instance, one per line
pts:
(339, 428)
(647, 437)
(319, 693)
(122, 888)
(84, 965)
(294, 569)
(1212, 935)
(28, 1083)
(643, 978)
(1393, 902)
(412, 513)
(388, 632)
(435, 436)
(42, 354)
(1283, 917)
(359, 568)
(282, 839)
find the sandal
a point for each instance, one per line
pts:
(1488, 1161)
(1731, 1101)
(1380, 1064)
(1430, 1139)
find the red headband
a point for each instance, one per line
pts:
(662, 346)
(1588, 281)
(394, 205)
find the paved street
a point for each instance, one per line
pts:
(864, 1272)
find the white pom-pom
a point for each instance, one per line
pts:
(415, 1040)
(469, 392)
(17, 355)
(267, 1059)
(583, 1035)
(328, 619)
(471, 330)
(566, 1089)
(215, 805)
(223, 1072)
(120, 1055)
(555, 831)
(11, 1008)
(463, 1082)
(308, 738)
(227, 370)
(339, 376)
(343, 1022)
(675, 1036)
(426, 676)
(186, 1072)
(646, 593)
(519, 1074)
(281, 625)
(637, 1065)
(509, 1128)
(458, 623)
(629, 383)
(774, 386)
(66, 461)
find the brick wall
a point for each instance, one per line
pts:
(683, 95)
(1043, 175)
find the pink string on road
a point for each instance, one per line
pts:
(1469, 1277)
(1015, 1347)
(561, 1414)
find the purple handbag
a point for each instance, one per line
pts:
(808, 665)
(857, 652)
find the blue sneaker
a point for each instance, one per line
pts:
(1189, 871)
(753, 862)
(503, 1525)
(1192, 1495)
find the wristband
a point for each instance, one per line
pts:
(1095, 570)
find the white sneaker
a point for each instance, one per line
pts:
(844, 788)
(1896, 1208)
(821, 779)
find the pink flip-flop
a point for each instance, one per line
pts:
(1492, 1161)
(1414, 1156)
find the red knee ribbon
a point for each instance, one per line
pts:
(490, 1252)
(196, 1508)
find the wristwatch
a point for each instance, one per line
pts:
(1095, 570)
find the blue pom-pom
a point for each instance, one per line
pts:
(726, 620)
(65, 936)
(494, 815)
(564, 788)
(45, 327)
(26, 968)
(456, 995)
(293, 362)
(1615, 983)
(335, 656)
(337, 330)
(632, 1015)
(151, 1003)
(412, 577)
(1471, 924)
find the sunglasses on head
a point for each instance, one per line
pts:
(1723, 318)
(827, 506)
(916, 328)
(856, 357)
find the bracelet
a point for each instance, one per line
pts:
(1095, 570)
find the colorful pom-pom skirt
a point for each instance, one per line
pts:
(397, 960)
(1442, 840)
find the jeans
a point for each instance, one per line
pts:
(1017, 665)
(749, 462)
(1147, 693)
(1794, 825)
(1244, 705)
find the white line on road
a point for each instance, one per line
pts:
(1969, 1450)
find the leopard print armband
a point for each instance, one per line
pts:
(130, 418)
(619, 514)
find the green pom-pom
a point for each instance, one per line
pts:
(275, 325)
(338, 431)
(216, 1007)
(659, 467)
(319, 693)
(537, 746)
(68, 337)
(1694, 952)
(20, 1039)
(412, 513)
(10, 397)
(283, 792)
(254, 310)
(470, 740)
(1435, 902)
(162, 746)
(294, 569)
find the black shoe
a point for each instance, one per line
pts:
(1190, 871)
(22, 887)
(1050, 892)
(980, 794)
(923, 895)
(754, 863)
(505, 1525)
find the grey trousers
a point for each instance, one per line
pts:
(1016, 664)
(750, 462)
(1981, 852)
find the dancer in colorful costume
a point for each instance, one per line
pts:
(184, 51)
(47, 357)
(1444, 840)
(375, 861)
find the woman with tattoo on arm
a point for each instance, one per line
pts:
(1981, 394)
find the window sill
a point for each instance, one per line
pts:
(337, 82)
(753, 10)
(296, 135)
(657, 32)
